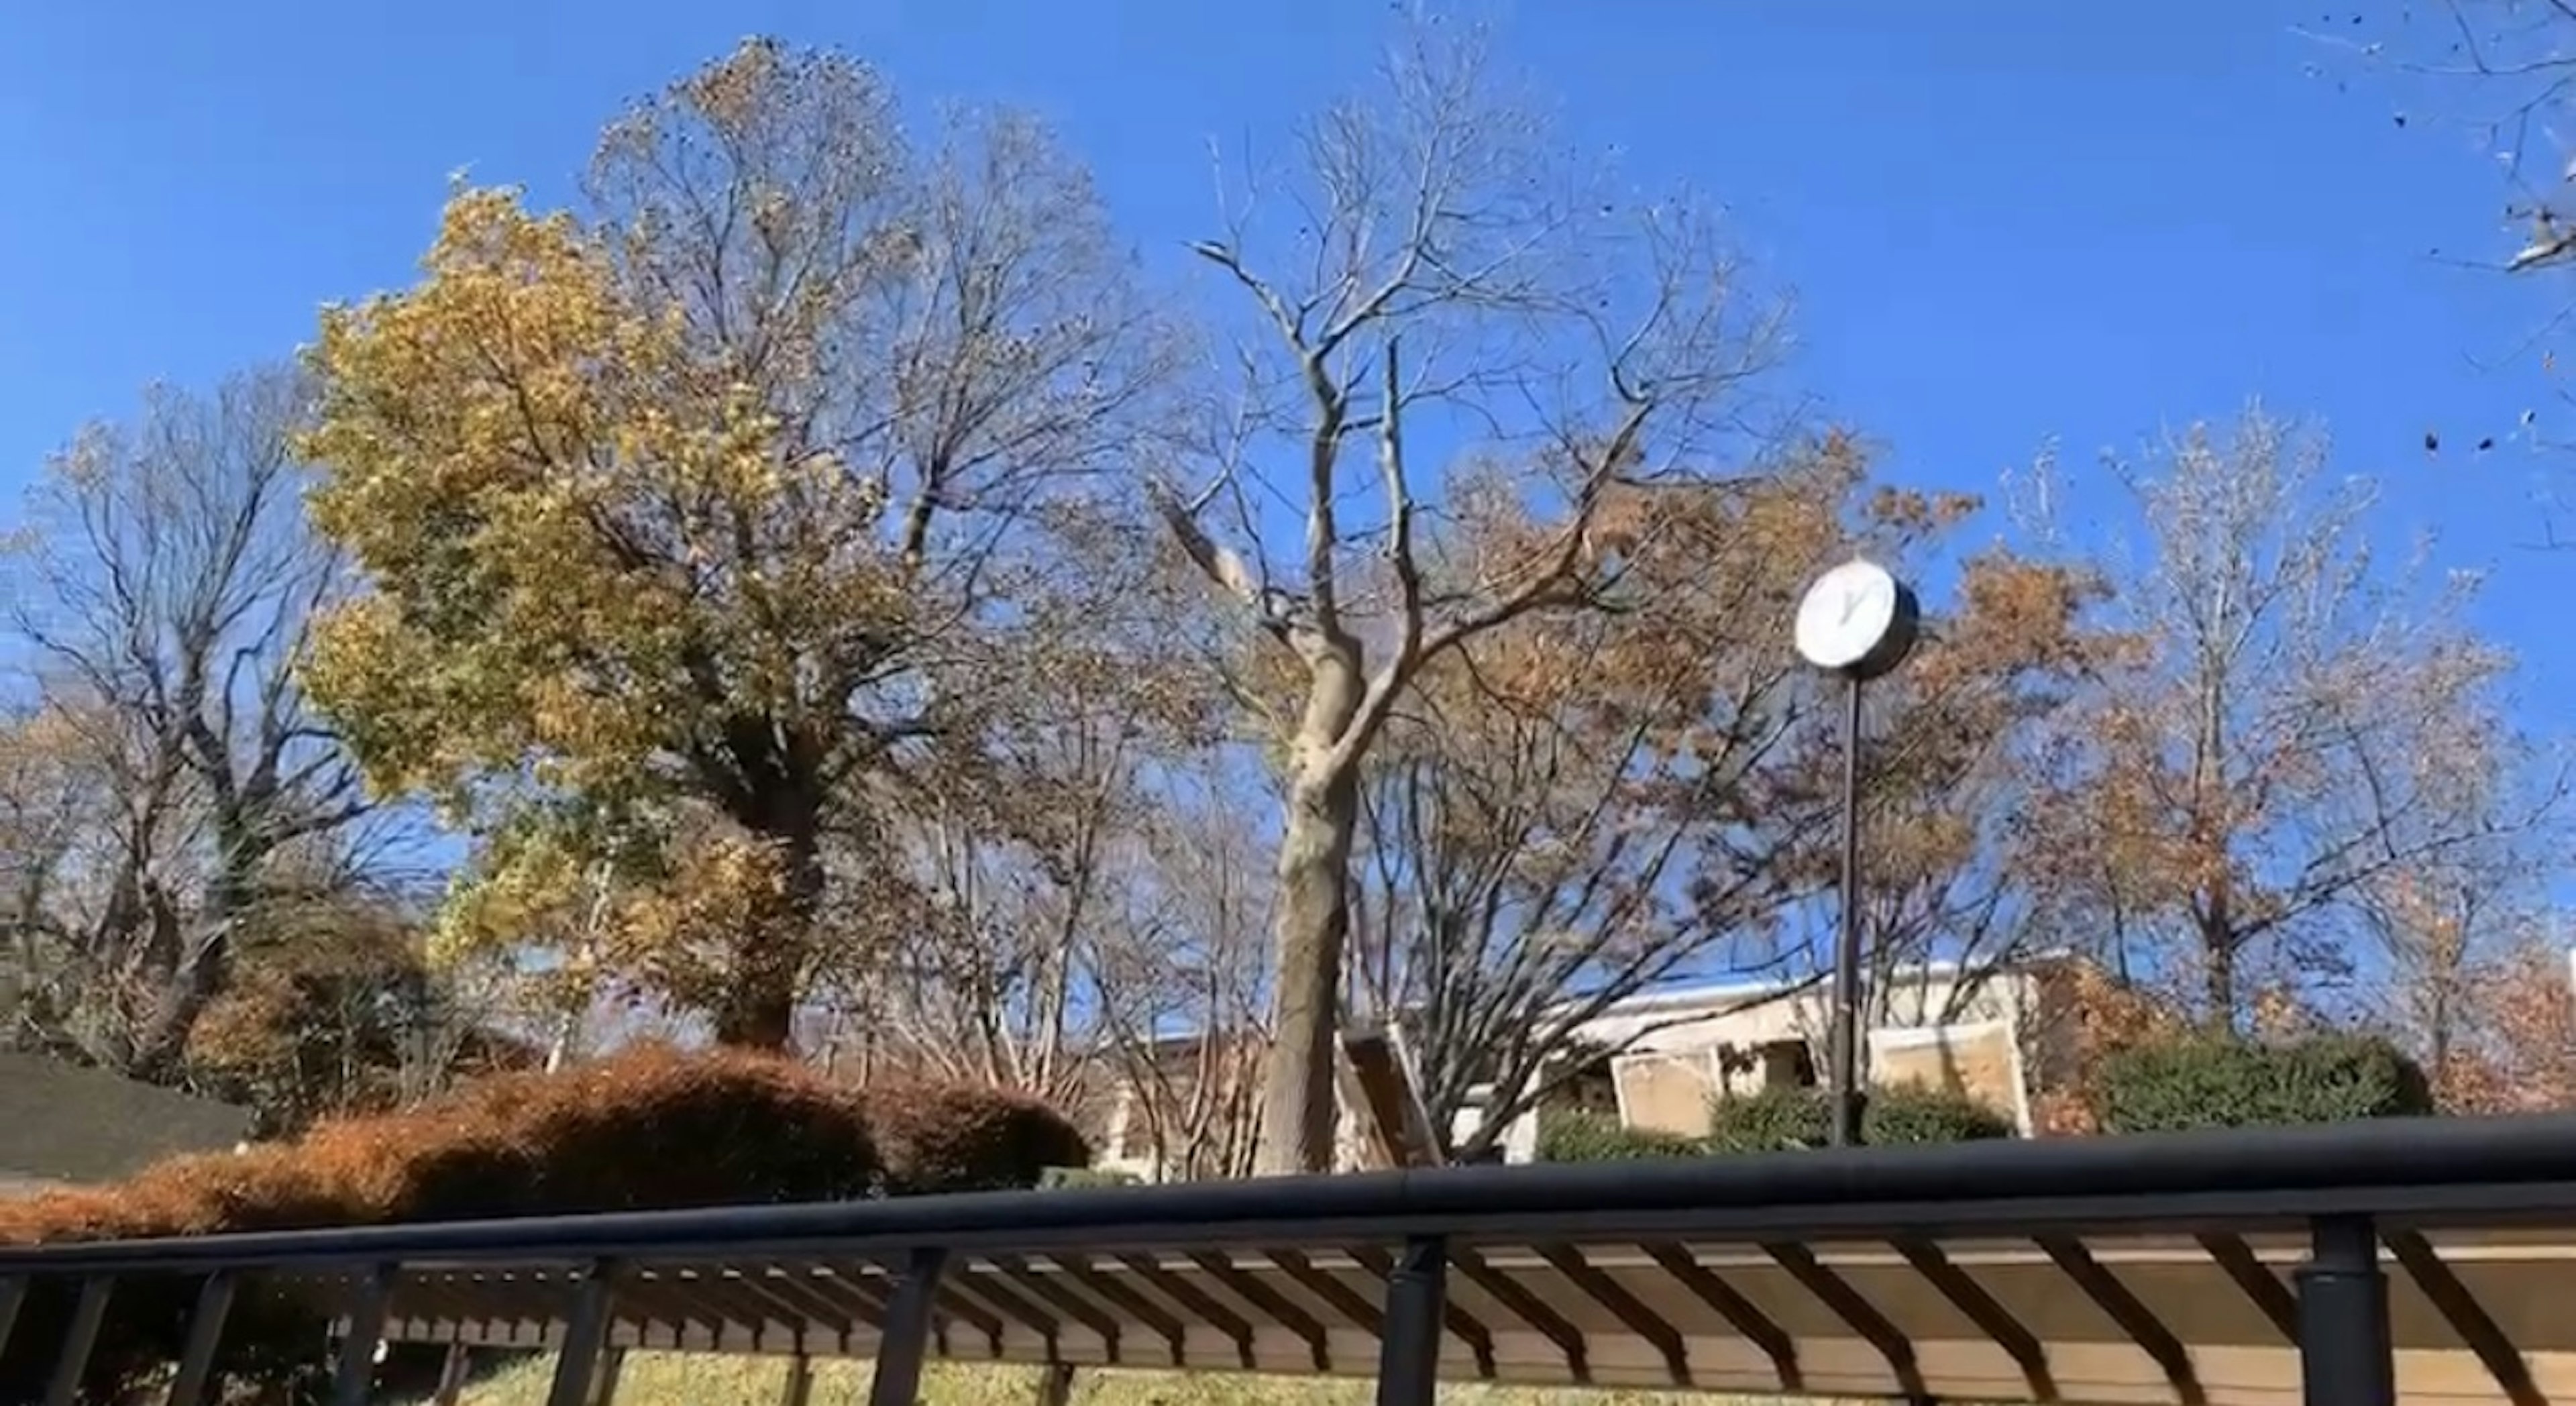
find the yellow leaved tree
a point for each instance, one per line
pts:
(704, 523)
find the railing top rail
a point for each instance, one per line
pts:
(2488, 1169)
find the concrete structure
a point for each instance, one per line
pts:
(1672, 1053)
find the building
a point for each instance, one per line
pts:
(1671, 1054)
(65, 1125)
(1677, 1052)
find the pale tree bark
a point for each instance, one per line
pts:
(1581, 347)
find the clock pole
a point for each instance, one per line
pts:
(1857, 622)
(1850, 1099)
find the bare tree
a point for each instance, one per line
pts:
(167, 589)
(1579, 807)
(994, 986)
(2514, 63)
(1574, 808)
(2294, 725)
(1589, 339)
(1178, 975)
(2497, 77)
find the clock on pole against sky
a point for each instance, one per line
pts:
(1857, 620)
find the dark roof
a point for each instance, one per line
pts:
(61, 1122)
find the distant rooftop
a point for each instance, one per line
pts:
(61, 1123)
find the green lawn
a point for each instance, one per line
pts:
(704, 1379)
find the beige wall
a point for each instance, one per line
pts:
(1689, 1049)
(1673, 1066)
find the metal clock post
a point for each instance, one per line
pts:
(1859, 622)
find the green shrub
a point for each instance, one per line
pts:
(1601, 1137)
(1910, 1114)
(1783, 1118)
(2224, 1082)
(1054, 1178)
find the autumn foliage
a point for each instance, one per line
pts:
(650, 1129)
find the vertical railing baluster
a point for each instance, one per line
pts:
(585, 1336)
(63, 1388)
(897, 1380)
(612, 1365)
(356, 1374)
(13, 1292)
(1408, 1360)
(799, 1387)
(2345, 1356)
(205, 1335)
(451, 1374)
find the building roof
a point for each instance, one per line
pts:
(63, 1123)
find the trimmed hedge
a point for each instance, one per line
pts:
(1788, 1118)
(1601, 1137)
(650, 1128)
(2224, 1082)
(957, 1137)
(1077, 1178)
(1774, 1120)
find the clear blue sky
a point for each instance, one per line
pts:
(2006, 221)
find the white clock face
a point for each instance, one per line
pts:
(1845, 615)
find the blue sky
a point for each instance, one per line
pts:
(2006, 222)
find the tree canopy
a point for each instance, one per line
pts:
(824, 588)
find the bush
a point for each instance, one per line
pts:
(651, 1128)
(1073, 1178)
(1784, 1118)
(2224, 1082)
(1601, 1137)
(952, 1137)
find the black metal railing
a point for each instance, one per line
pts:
(1556, 1261)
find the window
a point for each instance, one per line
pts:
(1787, 1063)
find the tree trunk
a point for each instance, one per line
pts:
(758, 1011)
(2218, 950)
(206, 962)
(1310, 924)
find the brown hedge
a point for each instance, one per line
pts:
(955, 1137)
(652, 1128)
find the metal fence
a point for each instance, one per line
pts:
(2433, 1260)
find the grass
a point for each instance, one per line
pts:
(707, 1379)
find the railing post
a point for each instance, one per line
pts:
(1408, 1361)
(2345, 1356)
(63, 1388)
(356, 1372)
(897, 1380)
(13, 1292)
(205, 1335)
(585, 1335)
(451, 1374)
(612, 1365)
